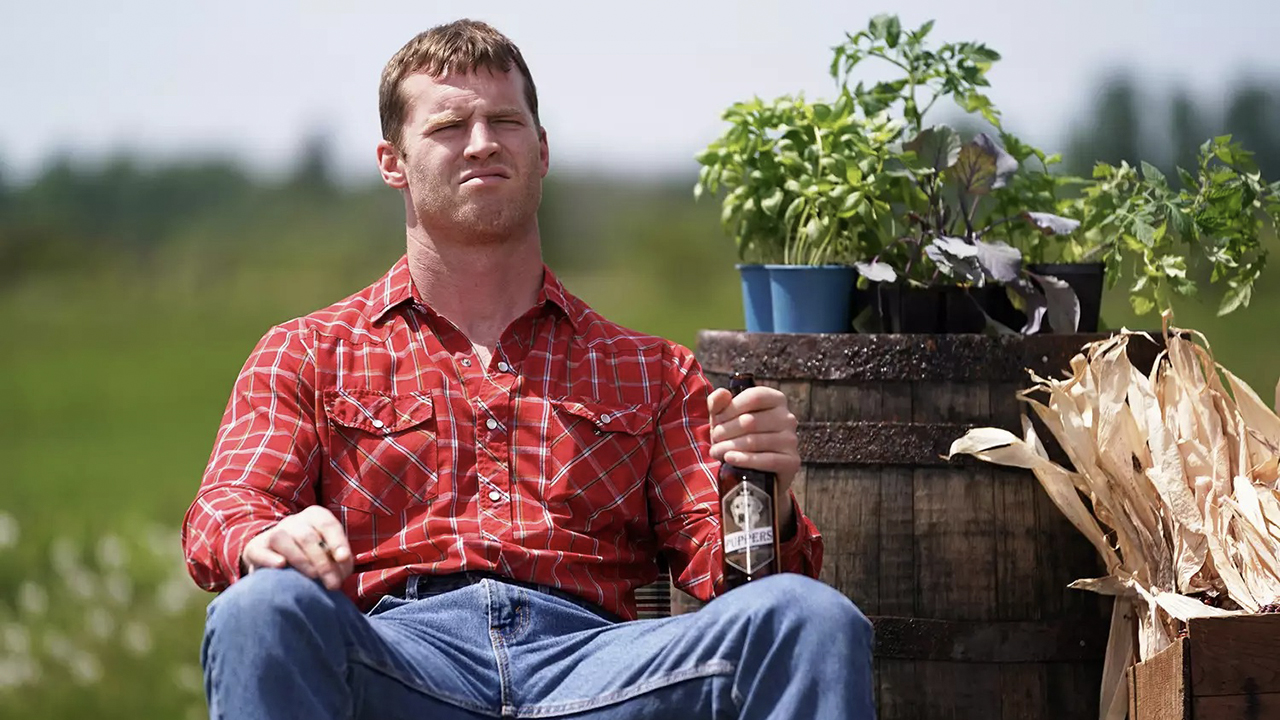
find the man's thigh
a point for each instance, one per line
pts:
(433, 658)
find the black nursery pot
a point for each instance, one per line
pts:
(1086, 279)
(931, 310)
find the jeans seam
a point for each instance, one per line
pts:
(705, 670)
(407, 682)
(499, 651)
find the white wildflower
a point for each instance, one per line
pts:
(85, 668)
(174, 594)
(64, 556)
(32, 598)
(188, 678)
(8, 531)
(58, 646)
(99, 624)
(111, 553)
(136, 638)
(16, 672)
(16, 639)
(81, 583)
(119, 588)
(164, 542)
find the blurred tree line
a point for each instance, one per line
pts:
(72, 215)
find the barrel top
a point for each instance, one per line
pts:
(890, 356)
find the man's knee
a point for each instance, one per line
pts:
(266, 597)
(800, 604)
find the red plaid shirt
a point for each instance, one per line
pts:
(573, 460)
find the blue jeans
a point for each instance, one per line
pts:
(278, 645)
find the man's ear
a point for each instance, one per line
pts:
(544, 151)
(391, 166)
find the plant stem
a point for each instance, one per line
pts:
(966, 213)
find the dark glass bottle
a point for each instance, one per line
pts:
(748, 516)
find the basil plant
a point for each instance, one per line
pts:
(801, 180)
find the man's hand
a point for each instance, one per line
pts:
(312, 542)
(755, 430)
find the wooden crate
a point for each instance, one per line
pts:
(1226, 668)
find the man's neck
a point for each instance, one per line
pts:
(481, 288)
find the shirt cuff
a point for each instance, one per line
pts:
(234, 539)
(803, 552)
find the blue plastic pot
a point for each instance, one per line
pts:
(812, 298)
(757, 306)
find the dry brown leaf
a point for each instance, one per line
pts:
(1113, 701)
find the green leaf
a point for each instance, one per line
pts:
(892, 32)
(1237, 297)
(1144, 232)
(813, 229)
(793, 211)
(879, 26)
(937, 147)
(1152, 174)
(1141, 304)
(772, 203)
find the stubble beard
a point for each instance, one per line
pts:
(480, 216)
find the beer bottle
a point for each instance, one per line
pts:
(748, 516)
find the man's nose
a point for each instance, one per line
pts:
(482, 141)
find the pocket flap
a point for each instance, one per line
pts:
(632, 419)
(377, 412)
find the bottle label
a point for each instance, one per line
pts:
(747, 514)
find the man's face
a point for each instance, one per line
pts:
(473, 156)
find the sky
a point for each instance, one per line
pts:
(624, 88)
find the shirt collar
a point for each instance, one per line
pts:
(396, 288)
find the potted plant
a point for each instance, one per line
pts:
(940, 267)
(799, 183)
(1149, 231)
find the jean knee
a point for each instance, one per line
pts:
(266, 596)
(800, 603)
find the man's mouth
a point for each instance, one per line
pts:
(486, 175)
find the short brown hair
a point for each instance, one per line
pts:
(462, 46)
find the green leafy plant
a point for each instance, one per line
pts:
(800, 179)
(946, 239)
(1216, 219)
(954, 70)
(947, 195)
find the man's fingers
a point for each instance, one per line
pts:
(318, 553)
(718, 401)
(782, 442)
(332, 535)
(256, 556)
(777, 420)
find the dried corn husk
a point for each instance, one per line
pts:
(1173, 479)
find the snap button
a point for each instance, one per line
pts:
(605, 418)
(466, 362)
(494, 495)
(377, 423)
(491, 424)
(503, 367)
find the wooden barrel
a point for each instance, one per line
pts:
(962, 566)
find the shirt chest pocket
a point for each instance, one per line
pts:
(382, 450)
(597, 461)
